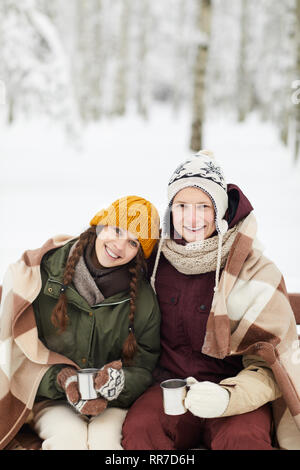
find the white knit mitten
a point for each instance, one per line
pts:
(206, 399)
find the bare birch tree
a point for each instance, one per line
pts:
(297, 105)
(202, 38)
(243, 84)
(89, 60)
(121, 79)
(142, 71)
(287, 49)
(180, 54)
(289, 115)
(98, 64)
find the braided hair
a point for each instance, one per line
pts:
(137, 266)
(130, 345)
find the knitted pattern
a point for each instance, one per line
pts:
(199, 257)
(110, 380)
(113, 387)
(135, 214)
(67, 379)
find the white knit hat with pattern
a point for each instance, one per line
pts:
(201, 171)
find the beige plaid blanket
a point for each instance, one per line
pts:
(250, 314)
(23, 357)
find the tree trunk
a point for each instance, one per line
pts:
(90, 66)
(179, 55)
(142, 85)
(203, 28)
(10, 114)
(297, 106)
(80, 70)
(243, 82)
(121, 83)
(98, 65)
(286, 115)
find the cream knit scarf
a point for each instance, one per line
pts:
(199, 257)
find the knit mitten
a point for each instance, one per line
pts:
(109, 381)
(206, 399)
(91, 407)
(67, 379)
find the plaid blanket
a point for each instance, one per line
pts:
(23, 357)
(251, 314)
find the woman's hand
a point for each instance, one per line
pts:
(109, 381)
(91, 407)
(67, 379)
(206, 399)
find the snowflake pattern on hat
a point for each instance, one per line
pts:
(204, 168)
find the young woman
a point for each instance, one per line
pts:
(82, 303)
(227, 325)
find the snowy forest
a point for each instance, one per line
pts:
(77, 61)
(102, 98)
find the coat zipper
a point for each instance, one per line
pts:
(113, 303)
(97, 305)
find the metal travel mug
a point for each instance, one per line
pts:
(86, 383)
(174, 393)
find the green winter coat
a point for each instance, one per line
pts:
(95, 335)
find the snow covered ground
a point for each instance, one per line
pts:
(49, 185)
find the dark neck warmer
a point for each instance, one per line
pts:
(110, 281)
(95, 282)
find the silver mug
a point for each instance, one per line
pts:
(86, 383)
(174, 393)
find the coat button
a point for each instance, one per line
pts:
(90, 314)
(50, 289)
(202, 307)
(173, 300)
(83, 360)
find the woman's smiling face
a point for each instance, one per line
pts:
(115, 246)
(193, 214)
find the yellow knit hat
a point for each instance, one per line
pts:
(135, 214)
